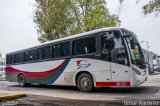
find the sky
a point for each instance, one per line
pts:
(17, 29)
(147, 28)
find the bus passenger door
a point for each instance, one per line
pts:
(105, 56)
(119, 62)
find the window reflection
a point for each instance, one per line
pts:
(118, 51)
(113, 48)
(135, 51)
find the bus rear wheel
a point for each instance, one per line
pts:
(21, 80)
(85, 82)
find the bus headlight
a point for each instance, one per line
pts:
(136, 71)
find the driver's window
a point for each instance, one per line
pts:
(105, 45)
(118, 51)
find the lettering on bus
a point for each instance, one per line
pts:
(122, 84)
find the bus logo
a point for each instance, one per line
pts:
(82, 64)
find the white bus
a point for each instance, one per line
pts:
(99, 58)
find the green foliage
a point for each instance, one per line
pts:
(152, 6)
(60, 18)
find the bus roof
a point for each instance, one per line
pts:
(71, 37)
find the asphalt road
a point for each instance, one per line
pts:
(149, 92)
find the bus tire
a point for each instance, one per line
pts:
(21, 80)
(85, 82)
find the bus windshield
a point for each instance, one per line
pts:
(136, 53)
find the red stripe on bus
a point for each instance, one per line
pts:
(35, 74)
(113, 84)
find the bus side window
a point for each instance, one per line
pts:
(78, 47)
(47, 52)
(22, 57)
(12, 59)
(53, 51)
(32, 55)
(61, 50)
(25, 56)
(105, 47)
(56, 50)
(90, 45)
(40, 53)
(66, 48)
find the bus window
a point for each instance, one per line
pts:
(105, 45)
(29, 56)
(9, 59)
(25, 56)
(78, 47)
(33, 55)
(84, 46)
(40, 53)
(17, 57)
(136, 53)
(118, 51)
(66, 49)
(12, 59)
(61, 50)
(56, 51)
(47, 52)
(90, 45)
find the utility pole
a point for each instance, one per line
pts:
(119, 12)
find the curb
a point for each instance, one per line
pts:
(12, 96)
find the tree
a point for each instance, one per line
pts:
(152, 6)
(60, 18)
(51, 18)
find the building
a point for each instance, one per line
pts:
(2, 66)
(159, 63)
(153, 61)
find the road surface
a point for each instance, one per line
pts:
(150, 90)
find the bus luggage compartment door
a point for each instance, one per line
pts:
(120, 73)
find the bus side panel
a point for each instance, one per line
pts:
(10, 76)
(40, 72)
(100, 70)
(61, 72)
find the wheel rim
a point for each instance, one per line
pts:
(21, 80)
(85, 82)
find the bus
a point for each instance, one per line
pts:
(105, 57)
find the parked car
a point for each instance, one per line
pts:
(2, 74)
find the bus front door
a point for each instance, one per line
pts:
(119, 62)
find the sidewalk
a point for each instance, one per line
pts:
(10, 95)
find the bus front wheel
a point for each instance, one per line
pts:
(85, 82)
(21, 80)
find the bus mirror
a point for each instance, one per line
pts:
(146, 62)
